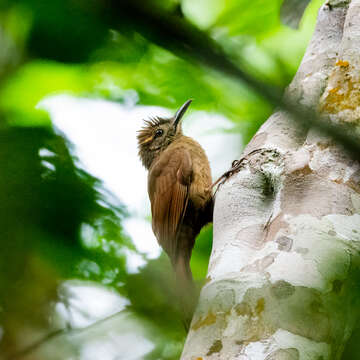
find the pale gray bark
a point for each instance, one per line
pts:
(283, 280)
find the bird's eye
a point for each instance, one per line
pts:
(158, 133)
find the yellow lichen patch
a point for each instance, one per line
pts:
(334, 90)
(306, 170)
(342, 63)
(209, 319)
(332, 101)
(353, 185)
(343, 93)
(260, 306)
(257, 326)
(243, 309)
(215, 347)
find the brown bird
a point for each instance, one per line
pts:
(179, 187)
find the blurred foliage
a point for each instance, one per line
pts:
(57, 220)
(45, 201)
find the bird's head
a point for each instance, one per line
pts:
(158, 133)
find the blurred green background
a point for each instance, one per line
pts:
(66, 291)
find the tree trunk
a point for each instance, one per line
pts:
(284, 275)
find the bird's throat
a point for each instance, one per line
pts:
(148, 156)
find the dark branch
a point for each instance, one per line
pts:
(185, 40)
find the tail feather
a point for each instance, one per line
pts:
(186, 289)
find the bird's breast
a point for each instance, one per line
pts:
(200, 192)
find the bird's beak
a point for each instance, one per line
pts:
(180, 113)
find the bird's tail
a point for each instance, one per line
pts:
(186, 289)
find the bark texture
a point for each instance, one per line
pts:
(284, 275)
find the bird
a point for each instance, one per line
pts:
(180, 192)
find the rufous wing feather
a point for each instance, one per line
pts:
(169, 183)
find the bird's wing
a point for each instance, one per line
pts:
(169, 183)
